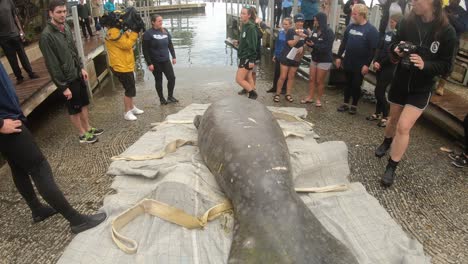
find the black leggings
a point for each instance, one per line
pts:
(27, 162)
(353, 87)
(277, 75)
(166, 68)
(12, 47)
(384, 78)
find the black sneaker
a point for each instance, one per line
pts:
(389, 176)
(461, 162)
(172, 99)
(272, 90)
(43, 213)
(96, 131)
(163, 101)
(343, 108)
(381, 150)
(253, 95)
(352, 110)
(242, 92)
(19, 81)
(88, 138)
(33, 76)
(89, 221)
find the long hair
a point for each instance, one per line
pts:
(153, 19)
(252, 11)
(440, 18)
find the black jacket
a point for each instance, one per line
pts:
(323, 41)
(383, 56)
(437, 54)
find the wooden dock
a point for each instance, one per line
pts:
(171, 8)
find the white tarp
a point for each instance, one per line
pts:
(182, 180)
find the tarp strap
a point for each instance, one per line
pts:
(163, 211)
(179, 217)
(169, 148)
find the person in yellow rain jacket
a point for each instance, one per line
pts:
(119, 45)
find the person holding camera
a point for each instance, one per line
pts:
(423, 47)
(360, 41)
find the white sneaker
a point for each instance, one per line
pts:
(130, 116)
(137, 111)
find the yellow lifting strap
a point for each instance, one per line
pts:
(163, 211)
(179, 217)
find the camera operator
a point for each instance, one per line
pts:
(423, 47)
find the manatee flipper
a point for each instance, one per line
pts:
(197, 120)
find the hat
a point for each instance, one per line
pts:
(298, 17)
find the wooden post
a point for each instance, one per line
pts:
(271, 5)
(79, 47)
(334, 16)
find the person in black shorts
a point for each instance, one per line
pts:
(122, 61)
(66, 69)
(423, 48)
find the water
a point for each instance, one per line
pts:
(199, 37)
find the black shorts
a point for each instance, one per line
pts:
(127, 79)
(401, 97)
(289, 63)
(244, 63)
(79, 97)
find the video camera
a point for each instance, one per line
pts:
(125, 20)
(407, 48)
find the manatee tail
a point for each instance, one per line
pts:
(197, 120)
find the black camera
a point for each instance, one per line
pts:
(407, 48)
(128, 19)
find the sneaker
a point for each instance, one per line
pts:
(33, 76)
(96, 131)
(242, 92)
(42, 213)
(381, 150)
(137, 111)
(88, 138)
(89, 221)
(272, 90)
(253, 95)
(352, 110)
(343, 108)
(130, 116)
(461, 162)
(389, 176)
(19, 81)
(172, 99)
(163, 101)
(454, 156)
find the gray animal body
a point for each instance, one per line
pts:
(244, 147)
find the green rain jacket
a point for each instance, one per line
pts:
(248, 42)
(61, 56)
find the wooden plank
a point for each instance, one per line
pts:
(451, 103)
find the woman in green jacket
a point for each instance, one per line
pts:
(247, 51)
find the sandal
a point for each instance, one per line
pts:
(372, 117)
(289, 98)
(305, 101)
(382, 122)
(276, 98)
(318, 104)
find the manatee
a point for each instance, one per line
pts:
(244, 147)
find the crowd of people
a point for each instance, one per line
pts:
(411, 52)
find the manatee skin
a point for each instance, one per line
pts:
(244, 147)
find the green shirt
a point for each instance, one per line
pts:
(248, 42)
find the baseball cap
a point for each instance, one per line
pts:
(299, 17)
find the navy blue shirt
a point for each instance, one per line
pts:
(290, 36)
(157, 44)
(280, 43)
(9, 103)
(360, 42)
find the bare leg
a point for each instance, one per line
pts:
(392, 120)
(291, 78)
(241, 79)
(84, 118)
(320, 83)
(76, 121)
(312, 81)
(251, 79)
(283, 76)
(407, 119)
(128, 103)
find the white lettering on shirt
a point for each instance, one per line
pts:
(156, 36)
(355, 32)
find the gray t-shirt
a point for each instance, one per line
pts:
(8, 26)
